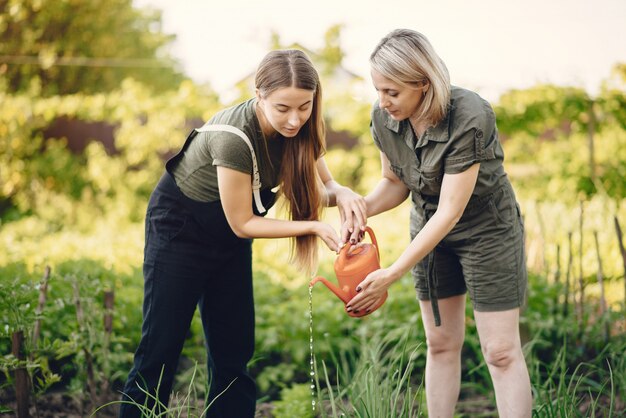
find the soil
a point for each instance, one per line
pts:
(63, 405)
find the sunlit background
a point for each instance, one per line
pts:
(488, 45)
(95, 95)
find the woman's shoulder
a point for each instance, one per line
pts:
(468, 106)
(460, 97)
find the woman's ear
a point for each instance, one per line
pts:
(257, 93)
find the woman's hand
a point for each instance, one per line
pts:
(328, 234)
(371, 290)
(353, 212)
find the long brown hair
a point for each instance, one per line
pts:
(300, 182)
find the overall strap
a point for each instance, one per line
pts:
(256, 178)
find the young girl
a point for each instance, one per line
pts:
(203, 214)
(440, 144)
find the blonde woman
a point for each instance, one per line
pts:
(439, 143)
(203, 215)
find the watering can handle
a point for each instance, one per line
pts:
(369, 230)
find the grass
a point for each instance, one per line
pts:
(376, 382)
(189, 404)
(588, 390)
(381, 379)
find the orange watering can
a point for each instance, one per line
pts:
(351, 267)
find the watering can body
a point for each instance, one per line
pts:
(351, 267)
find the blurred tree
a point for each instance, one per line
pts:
(549, 111)
(331, 55)
(613, 95)
(543, 111)
(69, 46)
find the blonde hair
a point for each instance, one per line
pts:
(406, 57)
(300, 182)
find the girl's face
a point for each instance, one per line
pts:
(285, 110)
(399, 101)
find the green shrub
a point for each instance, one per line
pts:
(295, 401)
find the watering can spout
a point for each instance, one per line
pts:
(340, 293)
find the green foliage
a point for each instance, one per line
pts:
(88, 46)
(542, 109)
(613, 97)
(83, 215)
(543, 169)
(331, 54)
(578, 393)
(376, 380)
(72, 335)
(295, 401)
(56, 183)
(17, 297)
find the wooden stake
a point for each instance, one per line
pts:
(591, 127)
(570, 263)
(618, 231)
(80, 316)
(22, 391)
(600, 276)
(542, 234)
(109, 298)
(581, 300)
(43, 290)
(557, 275)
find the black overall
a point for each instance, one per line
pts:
(192, 257)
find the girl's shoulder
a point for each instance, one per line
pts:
(239, 115)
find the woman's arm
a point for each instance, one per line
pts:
(236, 196)
(388, 193)
(456, 190)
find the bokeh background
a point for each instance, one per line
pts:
(95, 95)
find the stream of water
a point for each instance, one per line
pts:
(312, 371)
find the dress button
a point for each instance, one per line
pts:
(479, 133)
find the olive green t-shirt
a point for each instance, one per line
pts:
(466, 135)
(196, 172)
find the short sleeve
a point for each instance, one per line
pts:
(473, 138)
(373, 128)
(229, 150)
(375, 136)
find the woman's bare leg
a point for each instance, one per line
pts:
(443, 359)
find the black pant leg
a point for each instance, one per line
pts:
(173, 284)
(227, 310)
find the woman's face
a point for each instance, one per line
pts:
(399, 101)
(285, 110)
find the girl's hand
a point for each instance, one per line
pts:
(353, 212)
(328, 234)
(371, 290)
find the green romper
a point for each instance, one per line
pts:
(484, 252)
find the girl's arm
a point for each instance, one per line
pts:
(352, 208)
(236, 196)
(456, 191)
